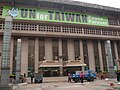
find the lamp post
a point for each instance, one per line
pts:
(5, 65)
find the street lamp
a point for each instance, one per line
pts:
(5, 66)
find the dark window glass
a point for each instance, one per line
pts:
(55, 49)
(14, 55)
(77, 49)
(113, 52)
(41, 49)
(104, 55)
(118, 48)
(64, 50)
(85, 53)
(96, 56)
(31, 54)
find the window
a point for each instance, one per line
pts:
(104, 55)
(31, 54)
(41, 49)
(96, 56)
(77, 49)
(85, 53)
(64, 50)
(55, 49)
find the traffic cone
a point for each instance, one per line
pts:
(112, 84)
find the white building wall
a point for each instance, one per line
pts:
(91, 55)
(48, 49)
(24, 56)
(100, 56)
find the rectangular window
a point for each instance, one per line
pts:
(64, 50)
(31, 54)
(104, 55)
(77, 49)
(14, 56)
(41, 49)
(85, 53)
(55, 49)
(96, 56)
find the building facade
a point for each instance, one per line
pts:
(61, 37)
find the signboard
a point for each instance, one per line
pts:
(57, 16)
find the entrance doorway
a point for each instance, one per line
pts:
(51, 71)
(71, 70)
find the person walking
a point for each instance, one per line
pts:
(102, 76)
(69, 77)
(31, 76)
(24, 75)
(118, 75)
(82, 77)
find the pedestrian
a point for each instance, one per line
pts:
(102, 77)
(82, 77)
(118, 75)
(24, 75)
(69, 77)
(31, 76)
(21, 78)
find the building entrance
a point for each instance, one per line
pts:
(51, 71)
(71, 69)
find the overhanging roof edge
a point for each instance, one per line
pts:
(83, 4)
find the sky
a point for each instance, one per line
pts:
(111, 3)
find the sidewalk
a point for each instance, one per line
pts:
(45, 80)
(51, 79)
(97, 82)
(112, 83)
(18, 85)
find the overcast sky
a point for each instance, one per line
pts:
(112, 3)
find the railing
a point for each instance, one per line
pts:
(61, 29)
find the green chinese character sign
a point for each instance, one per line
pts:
(57, 16)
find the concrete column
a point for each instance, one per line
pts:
(71, 52)
(18, 59)
(91, 55)
(11, 54)
(116, 56)
(48, 49)
(81, 51)
(0, 52)
(24, 56)
(60, 58)
(109, 58)
(100, 56)
(36, 54)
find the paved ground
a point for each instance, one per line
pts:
(62, 84)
